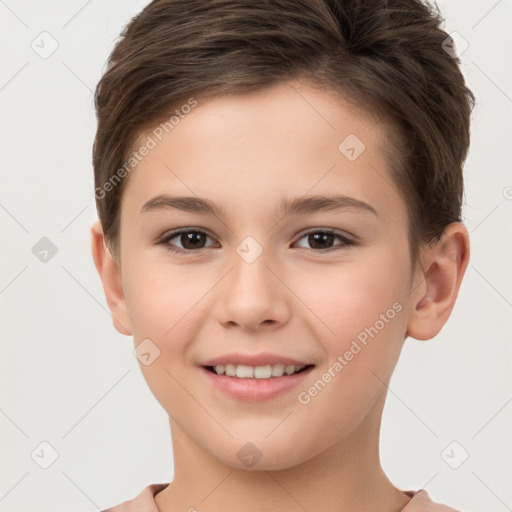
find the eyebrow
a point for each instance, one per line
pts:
(297, 206)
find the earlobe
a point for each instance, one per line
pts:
(444, 265)
(111, 279)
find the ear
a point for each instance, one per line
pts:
(440, 276)
(110, 275)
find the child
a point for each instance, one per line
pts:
(266, 129)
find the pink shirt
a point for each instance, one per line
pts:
(145, 502)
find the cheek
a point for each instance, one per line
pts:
(161, 298)
(163, 302)
(367, 317)
(346, 299)
(360, 320)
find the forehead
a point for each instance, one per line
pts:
(264, 147)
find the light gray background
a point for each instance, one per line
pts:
(69, 379)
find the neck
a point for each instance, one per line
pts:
(345, 477)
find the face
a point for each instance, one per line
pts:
(325, 284)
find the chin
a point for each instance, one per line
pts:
(265, 453)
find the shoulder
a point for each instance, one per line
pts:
(143, 502)
(421, 502)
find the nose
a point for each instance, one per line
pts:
(253, 295)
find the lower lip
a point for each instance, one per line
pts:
(256, 389)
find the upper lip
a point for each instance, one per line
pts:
(262, 359)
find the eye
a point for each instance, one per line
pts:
(321, 240)
(191, 240)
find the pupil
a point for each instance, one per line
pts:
(191, 237)
(315, 237)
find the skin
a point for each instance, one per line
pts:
(248, 153)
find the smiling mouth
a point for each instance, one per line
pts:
(257, 372)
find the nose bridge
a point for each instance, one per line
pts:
(252, 294)
(251, 279)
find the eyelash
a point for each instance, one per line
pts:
(165, 241)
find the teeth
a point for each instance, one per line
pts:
(258, 372)
(277, 370)
(244, 372)
(263, 372)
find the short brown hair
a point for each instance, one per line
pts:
(386, 57)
